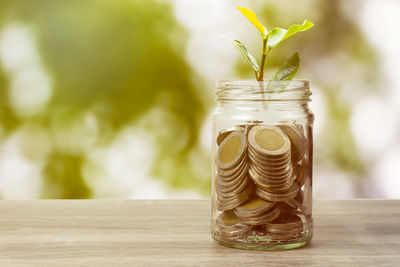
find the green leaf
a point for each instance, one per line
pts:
(249, 58)
(251, 16)
(277, 35)
(288, 70)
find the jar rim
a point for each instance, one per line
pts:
(296, 84)
(253, 90)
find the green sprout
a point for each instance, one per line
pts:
(270, 40)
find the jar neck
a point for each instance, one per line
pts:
(252, 94)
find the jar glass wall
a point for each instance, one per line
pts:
(262, 165)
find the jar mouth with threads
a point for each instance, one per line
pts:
(271, 91)
(262, 164)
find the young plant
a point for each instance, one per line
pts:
(271, 39)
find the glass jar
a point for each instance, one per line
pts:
(262, 165)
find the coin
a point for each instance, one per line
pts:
(231, 202)
(273, 169)
(224, 133)
(299, 147)
(229, 225)
(231, 191)
(234, 179)
(281, 173)
(270, 159)
(231, 151)
(227, 218)
(285, 224)
(281, 188)
(231, 183)
(266, 163)
(269, 216)
(253, 207)
(269, 141)
(234, 171)
(276, 197)
(269, 169)
(266, 181)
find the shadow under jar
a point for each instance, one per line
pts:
(262, 165)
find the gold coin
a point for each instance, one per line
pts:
(227, 218)
(276, 190)
(273, 169)
(299, 142)
(281, 188)
(230, 184)
(269, 216)
(266, 164)
(228, 225)
(269, 180)
(234, 173)
(270, 159)
(253, 207)
(278, 197)
(285, 224)
(260, 180)
(231, 151)
(234, 179)
(231, 191)
(269, 169)
(281, 173)
(224, 133)
(229, 203)
(269, 141)
(268, 185)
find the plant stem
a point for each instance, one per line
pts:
(260, 76)
(265, 51)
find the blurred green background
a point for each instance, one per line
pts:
(112, 99)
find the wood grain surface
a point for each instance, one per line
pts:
(176, 232)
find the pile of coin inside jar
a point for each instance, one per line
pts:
(260, 173)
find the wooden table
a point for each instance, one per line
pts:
(133, 232)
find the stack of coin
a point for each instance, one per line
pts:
(286, 226)
(299, 145)
(278, 196)
(257, 211)
(271, 165)
(232, 184)
(260, 175)
(229, 225)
